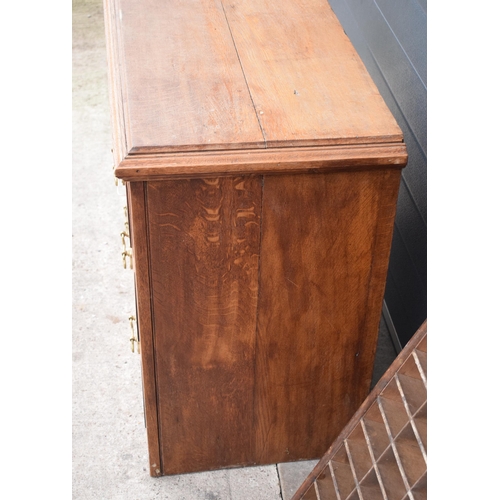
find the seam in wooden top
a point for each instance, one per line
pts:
(244, 75)
(127, 79)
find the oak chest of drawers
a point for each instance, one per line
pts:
(262, 170)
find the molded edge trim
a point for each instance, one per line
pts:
(262, 161)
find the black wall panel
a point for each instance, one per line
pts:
(407, 19)
(391, 39)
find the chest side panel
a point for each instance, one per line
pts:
(325, 248)
(204, 240)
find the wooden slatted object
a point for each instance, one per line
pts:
(382, 452)
(262, 171)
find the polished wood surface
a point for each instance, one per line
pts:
(307, 83)
(321, 238)
(262, 168)
(262, 161)
(260, 306)
(204, 238)
(183, 87)
(219, 75)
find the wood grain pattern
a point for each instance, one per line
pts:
(317, 328)
(279, 160)
(263, 171)
(184, 85)
(210, 75)
(204, 241)
(139, 238)
(249, 333)
(307, 82)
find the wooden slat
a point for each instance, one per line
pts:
(419, 491)
(325, 485)
(375, 430)
(420, 421)
(410, 455)
(372, 480)
(360, 453)
(183, 84)
(342, 472)
(370, 487)
(204, 239)
(311, 494)
(307, 82)
(390, 472)
(394, 413)
(320, 233)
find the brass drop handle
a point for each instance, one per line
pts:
(123, 235)
(133, 339)
(126, 252)
(125, 211)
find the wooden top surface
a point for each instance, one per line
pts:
(205, 75)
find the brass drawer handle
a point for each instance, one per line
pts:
(125, 222)
(123, 235)
(126, 252)
(134, 340)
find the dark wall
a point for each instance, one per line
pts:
(391, 39)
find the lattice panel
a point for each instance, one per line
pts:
(382, 452)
